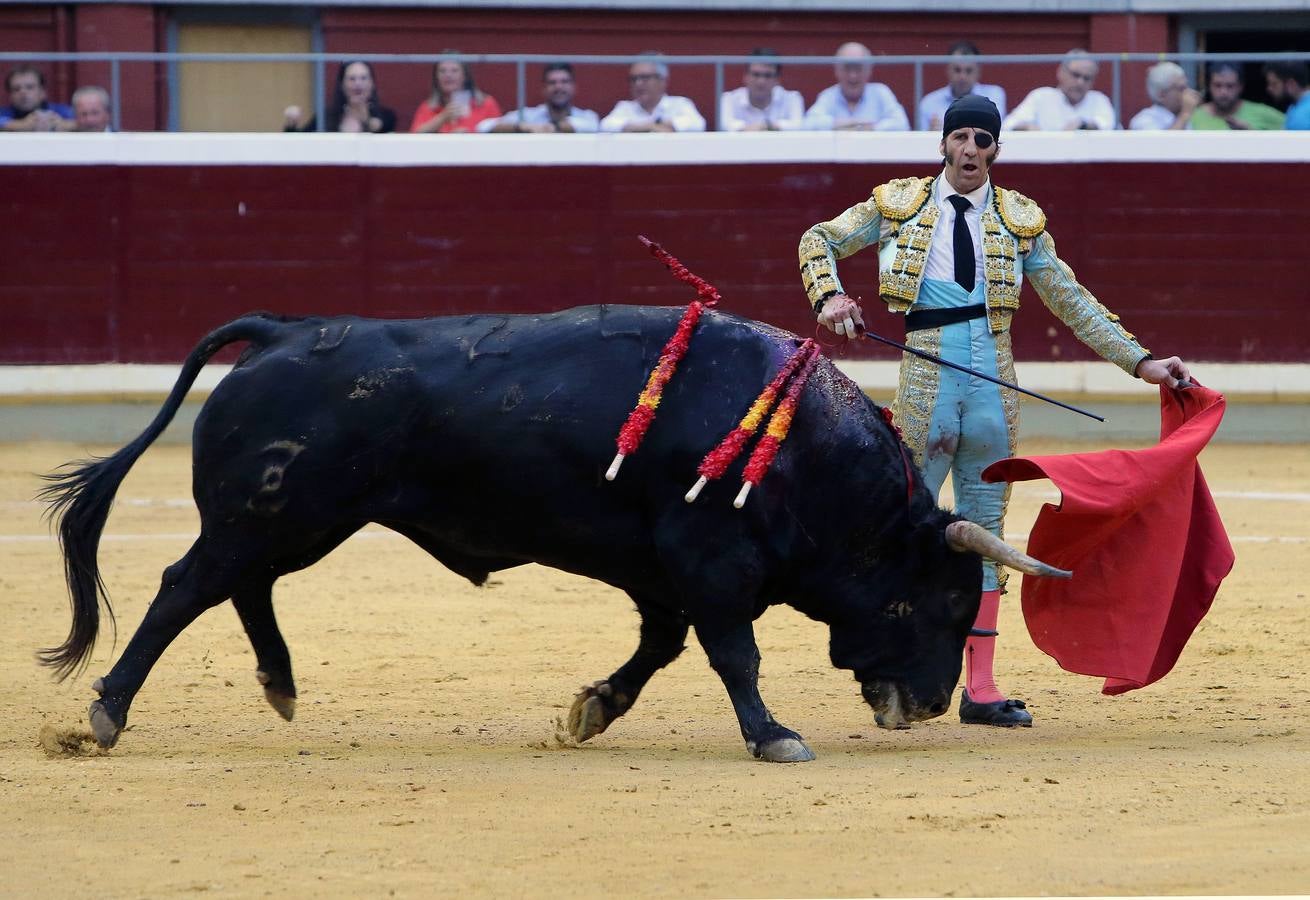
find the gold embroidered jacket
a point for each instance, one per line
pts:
(899, 218)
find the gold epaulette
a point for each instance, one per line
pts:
(1022, 217)
(901, 198)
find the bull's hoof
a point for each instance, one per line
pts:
(284, 703)
(285, 706)
(785, 750)
(883, 722)
(587, 715)
(103, 726)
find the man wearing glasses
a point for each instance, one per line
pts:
(651, 108)
(1069, 106)
(1172, 100)
(761, 103)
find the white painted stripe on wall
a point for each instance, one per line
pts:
(1032, 490)
(711, 148)
(1093, 377)
(191, 536)
(1235, 539)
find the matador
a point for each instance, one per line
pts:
(953, 251)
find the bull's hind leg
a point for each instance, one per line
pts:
(254, 604)
(735, 656)
(190, 586)
(662, 638)
(253, 601)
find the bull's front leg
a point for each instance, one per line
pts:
(597, 705)
(735, 656)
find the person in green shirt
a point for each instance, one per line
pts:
(1227, 109)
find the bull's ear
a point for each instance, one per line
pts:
(927, 545)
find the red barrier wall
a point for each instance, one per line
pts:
(135, 263)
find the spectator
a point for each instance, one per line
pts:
(558, 112)
(962, 75)
(761, 104)
(91, 108)
(354, 108)
(1071, 105)
(455, 106)
(1286, 81)
(1173, 101)
(651, 109)
(28, 108)
(854, 103)
(1227, 109)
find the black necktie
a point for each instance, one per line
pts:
(963, 244)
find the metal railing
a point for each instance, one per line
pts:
(521, 61)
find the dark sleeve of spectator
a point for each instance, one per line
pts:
(387, 117)
(311, 125)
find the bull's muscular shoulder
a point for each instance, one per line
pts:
(1021, 216)
(902, 198)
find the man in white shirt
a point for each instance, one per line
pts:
(91, 108)
(854, 103)
(1174, 102)
(1069, 106)
(962, 74)
(761, 104)
(557, 114)
(651, 108)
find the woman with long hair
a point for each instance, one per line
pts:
(354, 108)
(455, 105)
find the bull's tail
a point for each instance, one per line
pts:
(81, 493)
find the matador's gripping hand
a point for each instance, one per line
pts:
(841, 313)
(1170, 372)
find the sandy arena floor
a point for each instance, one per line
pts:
(423, 757)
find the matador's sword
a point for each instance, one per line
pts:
(923, 354)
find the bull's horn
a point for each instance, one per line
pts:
(972, 536)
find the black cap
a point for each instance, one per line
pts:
(972, 111)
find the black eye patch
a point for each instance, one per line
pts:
(982, 140)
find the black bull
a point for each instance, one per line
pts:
(484, 440)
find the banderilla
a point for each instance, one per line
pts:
(923, 354)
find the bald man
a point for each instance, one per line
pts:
(855, 103)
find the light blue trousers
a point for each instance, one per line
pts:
(954, 422)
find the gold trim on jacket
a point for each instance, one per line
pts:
(899, 219)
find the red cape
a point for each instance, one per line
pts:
(1145, 543)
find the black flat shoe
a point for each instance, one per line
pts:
(1002, 713)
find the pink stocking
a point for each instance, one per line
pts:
(978, 652)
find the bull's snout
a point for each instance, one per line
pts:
(893, 707)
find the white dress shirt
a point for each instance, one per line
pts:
(941, 253)
(1048, 109)
(878, 107)
(679, 112)
(785, 111)
(1154, 117)
(933, 106)
(582, 120)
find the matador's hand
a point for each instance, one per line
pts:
(841, 314)
(1168, 372)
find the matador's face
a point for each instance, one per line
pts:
(969, 154)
